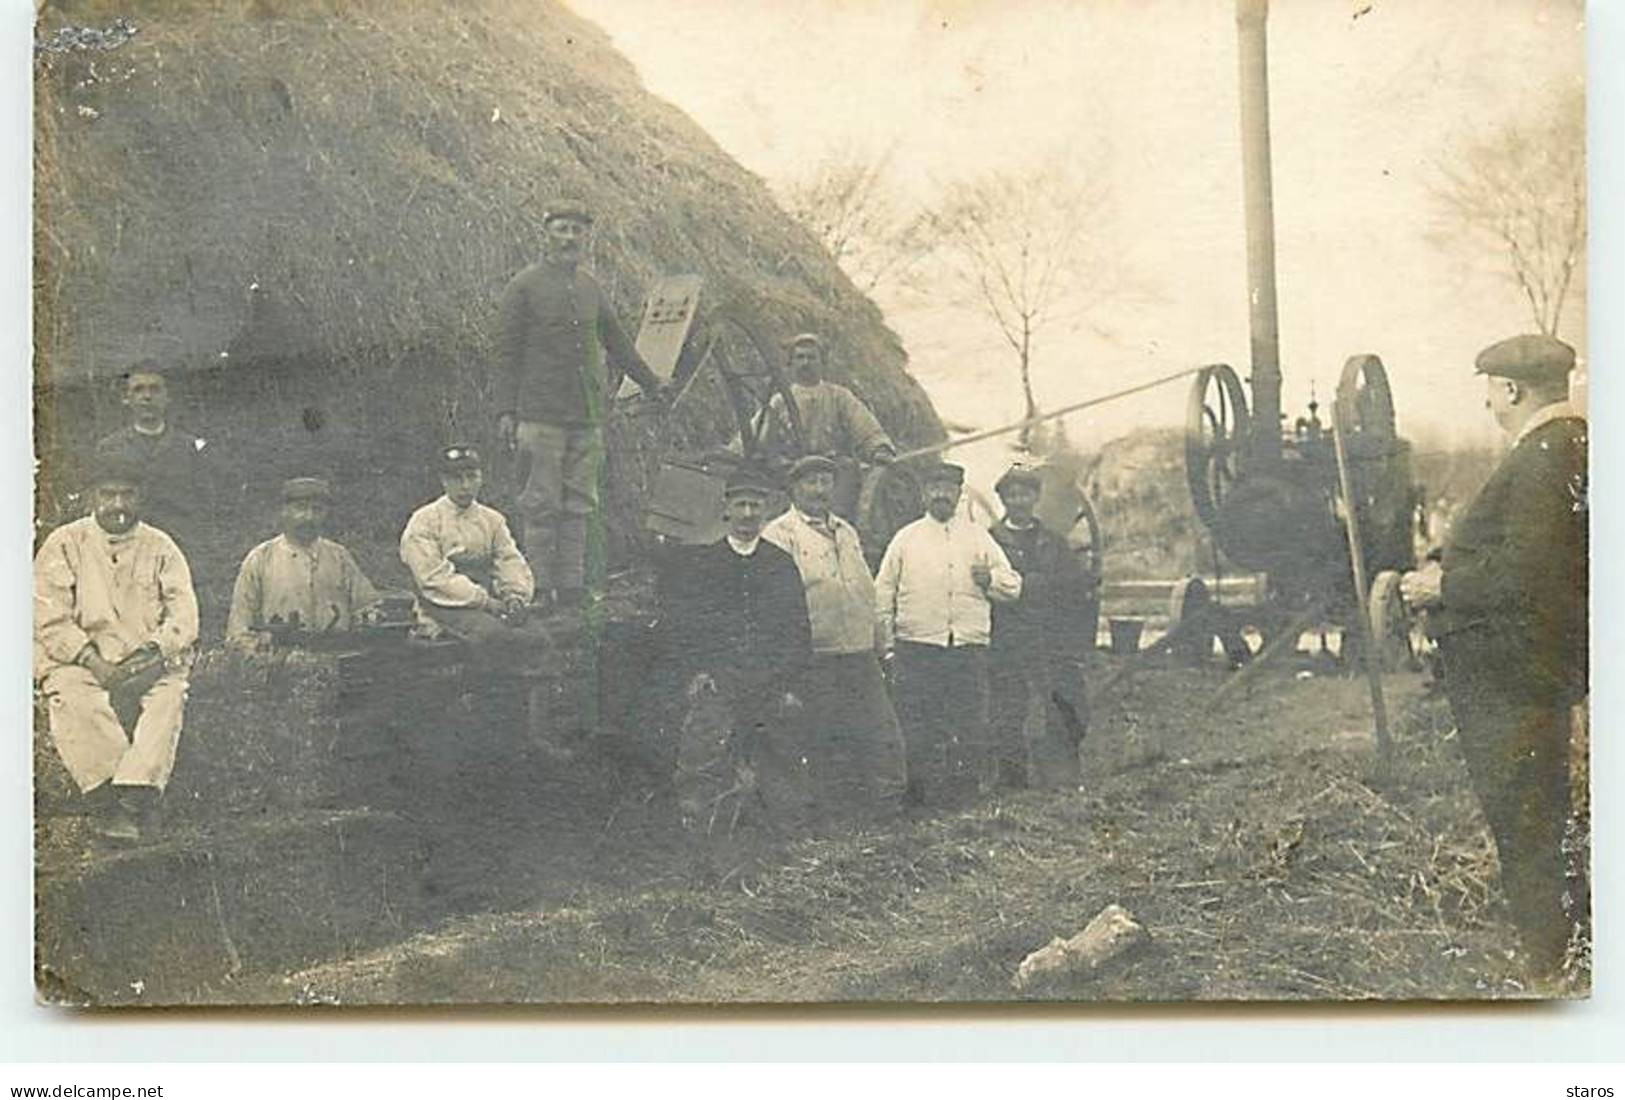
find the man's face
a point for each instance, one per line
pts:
(147, 397)
(1503, 402)
(303, 520)
(941, 498)
(116, 505)
(564, 239)
(806, 363)
(1020, 500)
(744, 513)
(811, 492)
(463, 486)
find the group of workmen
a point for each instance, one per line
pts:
(806, 681)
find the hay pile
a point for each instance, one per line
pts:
(238, 187)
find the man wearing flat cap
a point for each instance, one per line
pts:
(561, 352)
(115, 624)
(854, 745)
(737, 623)
(1039, 639)
(1507, 605)
(934, 594)
(834, 421)
(300, 581)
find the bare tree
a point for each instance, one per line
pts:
(1522, 189)
(847, 203)
(1020, 248)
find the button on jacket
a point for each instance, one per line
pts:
(555, 328)
(459, 555)
(924, 591)
(840, 589)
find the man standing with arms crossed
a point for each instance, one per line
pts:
(557, 341)
(1508, 608)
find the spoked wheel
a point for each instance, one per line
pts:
(1390, 623)
(1216, 427)
(888, 498)
(1379, 463)
(1365, 406)
(752, 376)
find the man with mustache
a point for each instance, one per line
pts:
(1508, 608)
(300, 580)
(561, 353)
(175, 488)
(853, 742)
(933, 595)
(115, 622)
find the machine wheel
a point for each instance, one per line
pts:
(1365, 406)
(1216, 427)
(1390, 623)
(888, 498)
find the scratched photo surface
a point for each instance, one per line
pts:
(620, 501)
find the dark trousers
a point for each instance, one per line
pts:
(854, 746)
(1516, 742)
(942, 703)
(1039, 717)
(738, 759)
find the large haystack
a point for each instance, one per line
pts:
(310, 207)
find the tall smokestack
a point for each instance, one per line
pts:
(1251, 16)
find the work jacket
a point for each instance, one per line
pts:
(319, 586)
(1048, 617)
(120, 592)
(555, 328)
(834, 421)
(459, 557)
(840, 589)
(924, 591)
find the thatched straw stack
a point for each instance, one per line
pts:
(310, 207)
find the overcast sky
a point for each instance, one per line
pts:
(1368, 100)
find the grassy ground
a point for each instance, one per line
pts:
(1257, 847)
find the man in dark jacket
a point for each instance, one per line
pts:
(1508, 608)
(561, 353)
(1039, 710)
(737, 622)
(175, 490)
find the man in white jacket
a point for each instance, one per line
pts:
(115, 622)
(933, 598)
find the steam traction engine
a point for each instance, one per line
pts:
(1273, 497)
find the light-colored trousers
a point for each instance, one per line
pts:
(92, 742)
(559, 499)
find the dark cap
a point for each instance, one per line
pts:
(567, 208)
(145, 366)
(809, 338)
(943, 471)
(116, 468)
(306, 488)
(1019, 474)
(747, 479)
(457, 457)
(812, 464)
(1533, 358)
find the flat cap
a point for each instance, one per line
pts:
(116, 469)
(567, 208)
(1533, 358)
(811, 339)
(943, 471)
(1019, 474)
(306, 488)
(812, 464)
(747, 479)
(459, 456)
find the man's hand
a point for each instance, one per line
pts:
(789, 703)
(1423, 588)
(106, 672)
(508, 430)
(883, 456)
(514, 607)
(664, 394)
(981, 574)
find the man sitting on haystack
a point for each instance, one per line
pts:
(115, 620)
(557, 340)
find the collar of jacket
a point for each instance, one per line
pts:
(1543, 416)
